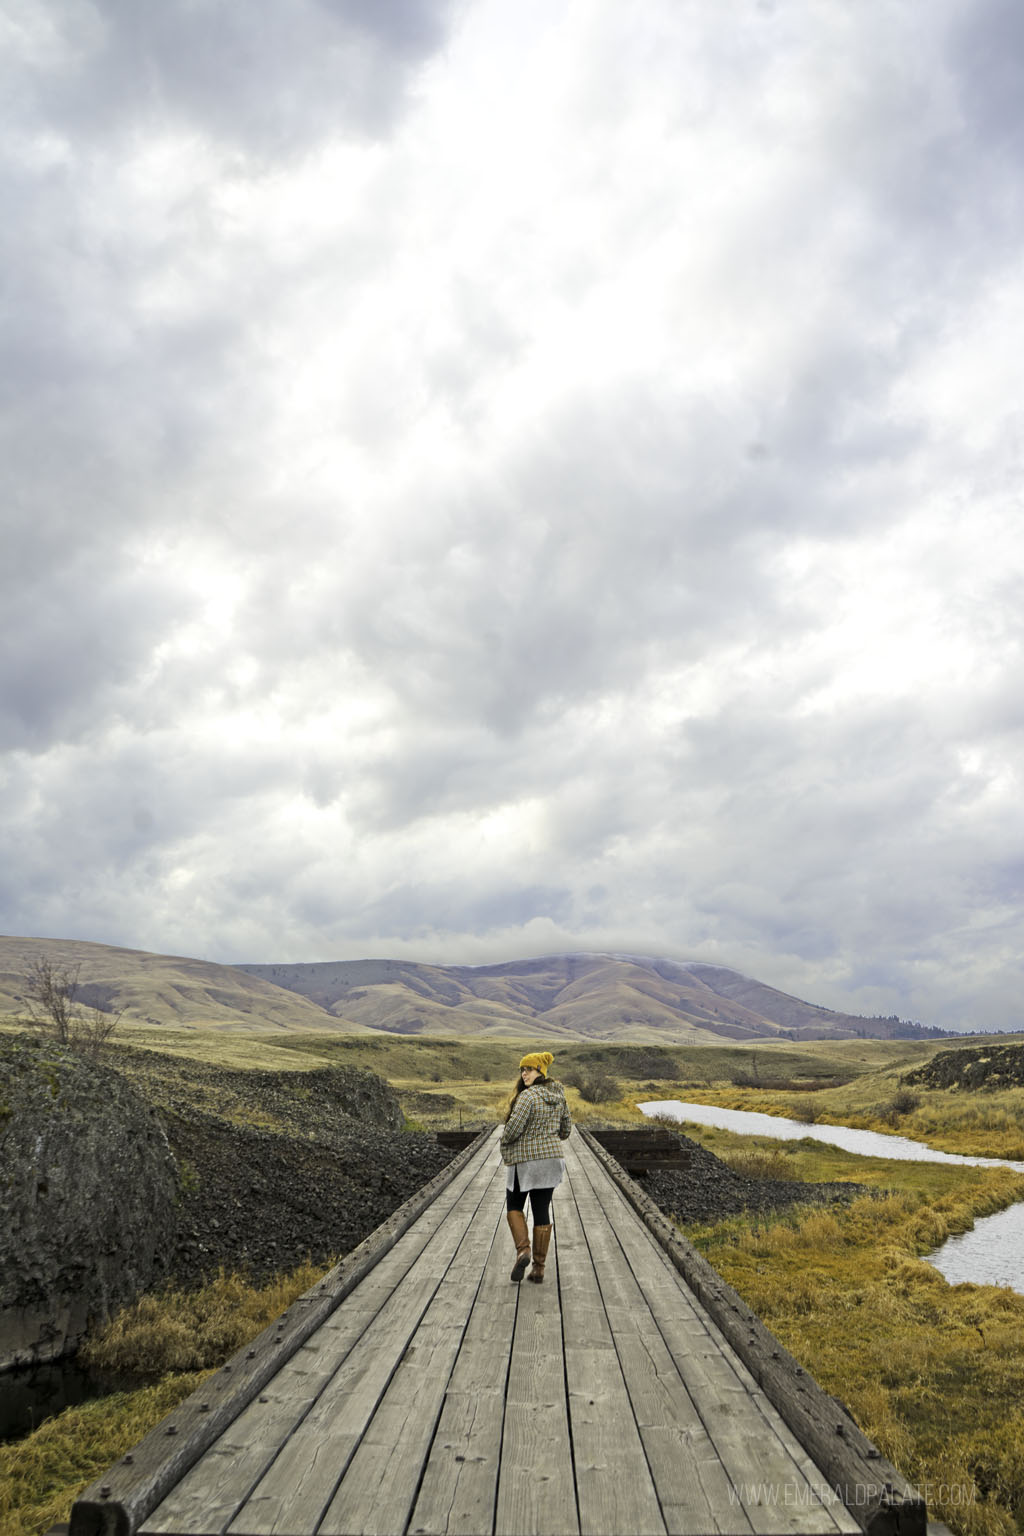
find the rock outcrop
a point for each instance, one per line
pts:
(88, 1191)
(972, 1067)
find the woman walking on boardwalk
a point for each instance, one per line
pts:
(538, 1120)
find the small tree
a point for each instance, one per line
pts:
(55, 1009)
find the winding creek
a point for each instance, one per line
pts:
(992, 1253)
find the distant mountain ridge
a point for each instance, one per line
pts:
(578, 996)
(639, 998)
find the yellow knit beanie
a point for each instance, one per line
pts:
(538, 1060)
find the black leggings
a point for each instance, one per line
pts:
(540, 1201)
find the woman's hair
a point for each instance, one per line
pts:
(517, 1090)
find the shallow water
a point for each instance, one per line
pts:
(38, 1392)
(992, 1253)
(867, 1143)
(33, 1394)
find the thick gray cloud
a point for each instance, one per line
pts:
(264, 82)
(479, 482)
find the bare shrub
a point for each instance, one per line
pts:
(596, 1086)
(903, 1102)
(56, 1010)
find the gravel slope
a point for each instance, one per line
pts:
(278, 1167)
(709, 1190)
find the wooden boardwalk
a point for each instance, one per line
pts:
(437, 1397)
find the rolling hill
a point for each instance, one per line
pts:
(157, 989)
(583, 996)
(574, 997)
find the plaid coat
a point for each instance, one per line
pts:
(539, 1123)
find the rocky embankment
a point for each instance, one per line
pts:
(972, 1068)
(278, 1167)
(145, 1169)
(88, 1197)
(709, 1190)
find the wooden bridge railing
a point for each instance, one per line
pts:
(876, 1496)
(638, 1151)
(118, 1503)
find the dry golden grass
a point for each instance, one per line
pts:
(193, 1330)
(41, 1476)
(933, 1373)
(762, 1163)
(179, 1336)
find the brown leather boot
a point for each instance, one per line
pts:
(517, 1226)
(541, 1239)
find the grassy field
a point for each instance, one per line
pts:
(856, 1083)
(933, 1373)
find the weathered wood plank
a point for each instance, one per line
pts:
(300, 1482)
(888, 1505)
(117, 1503)
(614, 1489)
(693, 1487)
(745, 1430)
(459, 1489)
(378, 1490)
(613, 1483)
(211, 1492)
(536, 1489)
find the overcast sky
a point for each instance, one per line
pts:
(485, 478)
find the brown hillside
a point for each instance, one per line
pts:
(573, 997)
(584, 996)
(158, 989)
